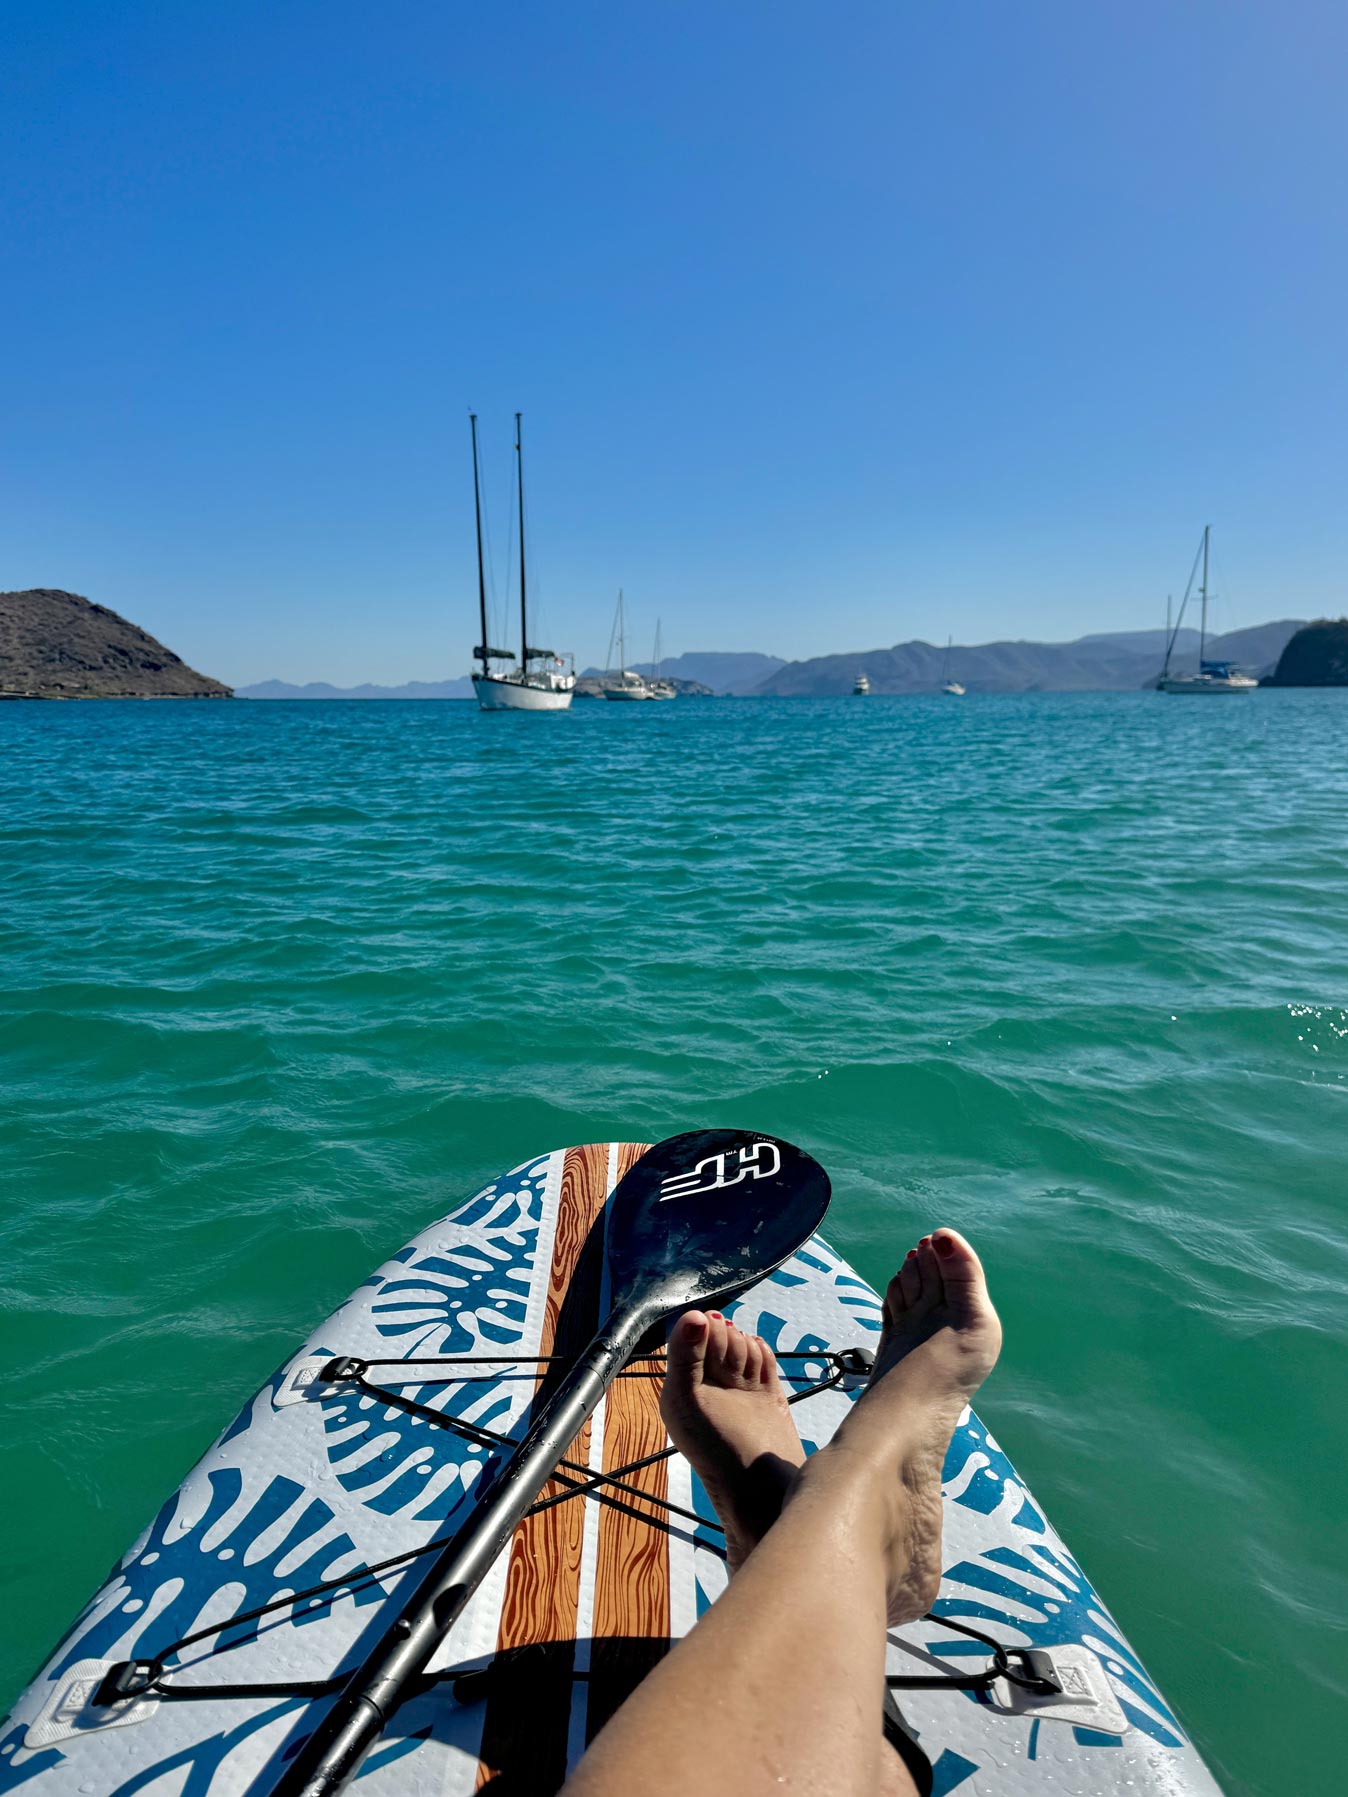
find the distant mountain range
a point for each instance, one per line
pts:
(1112, 661)
(732, 674)
(1119, 661)
(462, 688)
(729, 673)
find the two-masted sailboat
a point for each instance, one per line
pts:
(1212, 676)
(543, 680)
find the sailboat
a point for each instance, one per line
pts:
(1212, 676)
(953, 687)
(530, 686)
(622, 683)
(658, 688)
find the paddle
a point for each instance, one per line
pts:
(698, 1219)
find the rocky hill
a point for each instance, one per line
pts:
(1316, 656)
(56, 645)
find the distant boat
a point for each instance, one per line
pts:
(1212, 676)
(948, 685)
(530, 687)
(624, 683)
(658, 688)
(862, 687)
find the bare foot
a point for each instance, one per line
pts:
(726, 1411)
(940, 1340)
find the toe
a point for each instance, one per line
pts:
(687, 1348)
(685, 1361)
(754, 1352)
(929, 1266)
(736, 1352)
(771, 1376)
(718, 1336)
(961, 1269)
(910, 1280)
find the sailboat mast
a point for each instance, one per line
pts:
(622, 639)
(483, 640)
(524, 604)
(1203, 627)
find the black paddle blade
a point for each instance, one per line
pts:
(701, 1216)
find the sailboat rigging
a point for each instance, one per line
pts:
(1212, 676)
(952, 687)
(622, 683)
(658, 687)
(528, 687)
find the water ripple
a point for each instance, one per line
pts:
(282, 982)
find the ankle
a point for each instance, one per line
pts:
(850, 1485)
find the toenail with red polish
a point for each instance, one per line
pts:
(945, 1245)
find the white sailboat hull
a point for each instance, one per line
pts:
(629, 686)
(1208, 683)
(546, 692)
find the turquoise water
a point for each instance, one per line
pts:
(283, 982)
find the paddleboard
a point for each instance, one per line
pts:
(218, 1641)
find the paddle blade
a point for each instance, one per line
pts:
(701, 1216)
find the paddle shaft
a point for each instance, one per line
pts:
(376, 1688)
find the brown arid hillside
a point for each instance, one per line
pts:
(56, 645)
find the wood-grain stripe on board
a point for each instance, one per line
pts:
(631, 1596)
(524, 1731)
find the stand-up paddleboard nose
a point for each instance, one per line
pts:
(699, 1216)
(703, 1215)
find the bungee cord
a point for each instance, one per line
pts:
(145, 1677)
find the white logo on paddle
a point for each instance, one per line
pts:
(759, 1161)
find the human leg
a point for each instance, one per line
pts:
(781, 1683)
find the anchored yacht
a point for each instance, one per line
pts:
(543, 680)
(1212, 676)
(623, 682)
(660, 689)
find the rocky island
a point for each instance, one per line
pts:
(1316, 656)
(58, 645)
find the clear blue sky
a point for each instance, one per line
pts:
(832, 325)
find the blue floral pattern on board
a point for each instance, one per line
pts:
(469, 1296)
